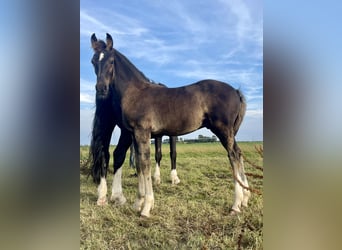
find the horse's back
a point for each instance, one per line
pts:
(217, 93)
(205, 94)
(209, 84)
(221, 101)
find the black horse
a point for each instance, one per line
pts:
(148, 109)
(106, 117)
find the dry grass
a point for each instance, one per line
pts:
(192, 215)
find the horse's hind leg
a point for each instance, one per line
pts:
(246, 192)
(173, 155)
(241, 195)
(158, 157)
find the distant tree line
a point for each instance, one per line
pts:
(200, 139)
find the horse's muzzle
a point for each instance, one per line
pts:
(101, 91)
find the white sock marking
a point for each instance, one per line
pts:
(246, 193)
(174, 178)
(102, 192)
(149, 197)
(157, 174)
(117, 195)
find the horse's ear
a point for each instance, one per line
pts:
(109, 40)
(93, 40)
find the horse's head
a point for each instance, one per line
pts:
(103, 62)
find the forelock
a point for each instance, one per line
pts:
(99, 46)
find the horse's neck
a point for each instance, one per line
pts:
(128, 77)
(124, 86)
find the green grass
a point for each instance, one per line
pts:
(192, 215)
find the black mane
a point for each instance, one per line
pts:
(127, 69)
(99, 46)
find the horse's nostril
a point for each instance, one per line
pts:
(101, 88)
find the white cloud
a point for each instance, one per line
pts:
(87, 94)
(244, 21)
(257, 113)
(86, 119)
(87, 86)
(88, 23)
(118, 25)
(86, 98)
(248, 18)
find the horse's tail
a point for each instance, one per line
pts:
(242, 111)
(99, 146)
(98, 161)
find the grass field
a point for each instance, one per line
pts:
(192, 215)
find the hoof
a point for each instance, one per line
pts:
(118, 200)
(145, 214)
(138, 204)
(175, 181)
(233, 212)
(148, 206)
(157, 181)
(102, 201)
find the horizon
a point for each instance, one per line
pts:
(87, 145)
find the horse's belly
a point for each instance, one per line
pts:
(176, 126)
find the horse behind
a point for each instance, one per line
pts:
(158, 157)
(151, 110)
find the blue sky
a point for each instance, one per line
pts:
(178, 43)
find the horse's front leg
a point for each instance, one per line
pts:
(102, 188)
(102, 192)
(145, 199)
(119, 157)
